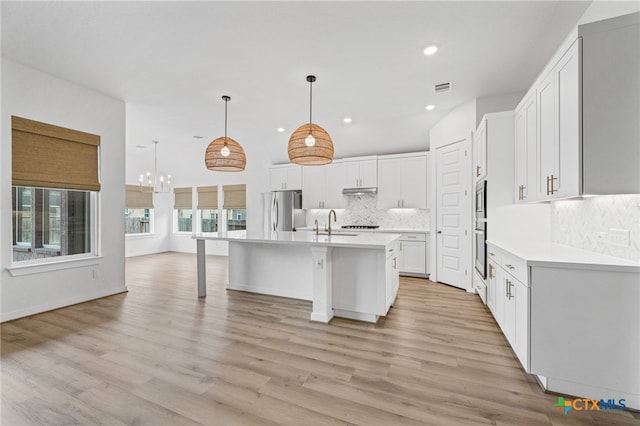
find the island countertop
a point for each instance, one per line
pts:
(369, 240)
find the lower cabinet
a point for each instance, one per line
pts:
(413, 254)
(508, 300)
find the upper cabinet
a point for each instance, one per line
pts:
(582, 115)
(558, 98)
(285, 177)
(402, 181)
(322, 186)
(361, 173)
(480, 151)
(525, 147)
(495, 132)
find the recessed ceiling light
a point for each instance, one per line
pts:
(198, 137)
(280, 129)
(430, 107)
(430, 50)
(347, 120)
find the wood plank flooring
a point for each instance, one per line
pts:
(158, 355)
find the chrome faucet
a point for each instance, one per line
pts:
(316, 227)
(334, 220)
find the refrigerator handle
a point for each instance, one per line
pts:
(273, 213)
(277, 215)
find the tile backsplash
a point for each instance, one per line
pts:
(362, 210)
(588, 224)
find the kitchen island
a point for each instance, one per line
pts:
(350, 276)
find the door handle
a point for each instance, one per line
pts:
(438, 232)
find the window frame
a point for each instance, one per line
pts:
(25, 267)
(151, 224)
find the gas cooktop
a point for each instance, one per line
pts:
(360, 226)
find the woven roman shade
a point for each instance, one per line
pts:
(182, 198)
(48, 156)
(235, 196)
(136, 199)
(207, 197)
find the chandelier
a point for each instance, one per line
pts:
(153, 182)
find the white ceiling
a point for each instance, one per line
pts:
(172, 61)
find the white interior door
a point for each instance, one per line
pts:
(453, 215)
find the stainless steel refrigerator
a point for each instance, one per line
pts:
(282, 211)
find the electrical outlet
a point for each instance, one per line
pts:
(601, 237)
(619, 237)
(96, 273)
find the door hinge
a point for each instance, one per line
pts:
(465, 192)
(465, 232)
(465, 272)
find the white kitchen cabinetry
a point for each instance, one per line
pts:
(525, 122)
(587, 103)
(496, 134)
(402, 181)
(361, 173)
(508, 299)
(322, 186)
(480, 151)
(285, 177)
(413, 254)
(558, 100)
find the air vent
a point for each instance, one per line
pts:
(443, 87)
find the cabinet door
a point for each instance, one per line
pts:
(293, 177)
(568, 121)
(332, 185)
(389, 183)
(530, 190)
(491, 287)
(368, 173)
(352, 174)
(521, 345)
(520, 124)
(312, 187)
(509, 319)
(414, 182)
(501, 289)
(413, 257)
(548, 151)
(277, 178)
(480, 151)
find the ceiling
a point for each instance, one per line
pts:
(171, 62)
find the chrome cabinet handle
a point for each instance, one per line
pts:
(510, 266)
(491, 254)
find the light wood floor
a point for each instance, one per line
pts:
(159, 355)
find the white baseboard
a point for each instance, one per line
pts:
(61, 303)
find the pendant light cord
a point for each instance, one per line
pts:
(226, 101)
(310, 102)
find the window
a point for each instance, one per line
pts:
(138, 212)
(185, 218)
(209, 221)
(208, 208)
(50, 223)
(137, 221)
(236, 219)
(55, 179)
(235, 210)
(182, 208)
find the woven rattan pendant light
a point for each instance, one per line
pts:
(224, 154)
(310, 144)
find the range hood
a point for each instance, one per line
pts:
(359, 191)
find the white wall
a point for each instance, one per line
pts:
(497, 103)
(31, 94)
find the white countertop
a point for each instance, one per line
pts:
(369, 240)
(383, 230)
(538, 253)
